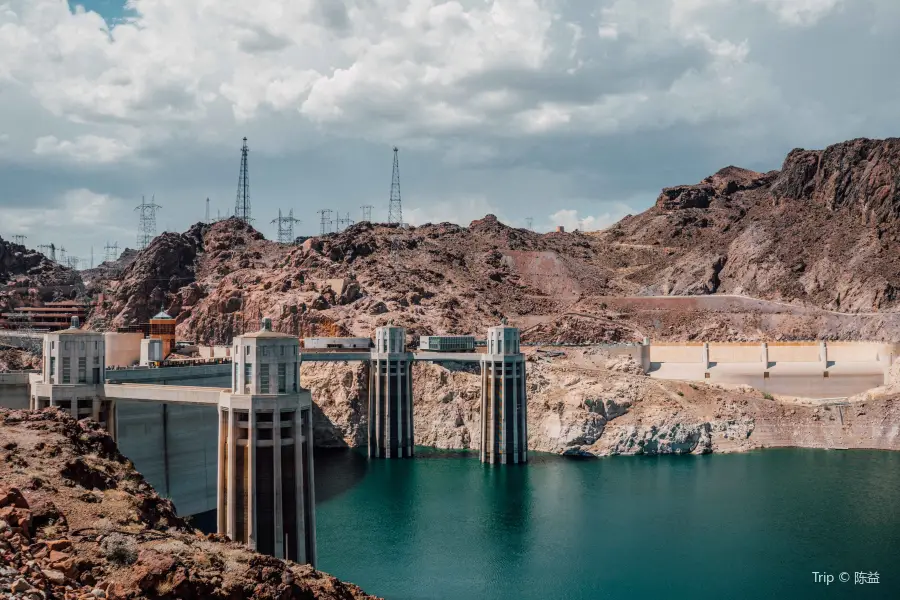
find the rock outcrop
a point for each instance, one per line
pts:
(77, 521)
(28, 278)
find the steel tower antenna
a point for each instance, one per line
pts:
(242, 204)
(325, 220)
(147, 221)
(49, 250)
(112, 251)
(286, 227)
(366, 212)
(395, 210)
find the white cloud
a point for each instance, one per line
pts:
(461, 211)
(801, 12)
(84, 149)
(571, 219)
(77, 220)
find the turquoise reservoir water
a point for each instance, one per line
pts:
(721, 526)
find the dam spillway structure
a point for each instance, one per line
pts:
(265, 483)
(390, 395)
(504, 423)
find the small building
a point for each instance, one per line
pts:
(336, 343)
(162, 327)
(447, 343)
(560, 229)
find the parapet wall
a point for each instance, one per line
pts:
(745, 352)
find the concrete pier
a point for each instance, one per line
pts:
(390, 396)
(266, 496)
(504, 423)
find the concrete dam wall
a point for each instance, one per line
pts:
(806, 369)
(174, 446)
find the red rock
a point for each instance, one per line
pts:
(12, 497)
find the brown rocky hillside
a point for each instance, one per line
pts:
(77, 521)
(823, 231)
(820, 235)
(28, 278)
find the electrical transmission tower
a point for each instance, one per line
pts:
(112, 251)
(147, 221)
(72, 262)
(324, 220)
(207, 211)
(286, 227)
(20, 239)
(49, 250)
(529, 221)
(395, 210)
(366, 212)
(62, 255)
(242, 204)
(343, 223)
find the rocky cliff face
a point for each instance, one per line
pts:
(27, 277)
(77, 521)
(822, 231)
(585, 403)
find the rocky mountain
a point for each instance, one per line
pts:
(823, 231)
(27, 277)
(77, 521)
(818, 236)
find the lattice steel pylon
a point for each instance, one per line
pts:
(395, 209)
(111, 252)
(324, 220)
(528, 223)
(366, 212)
(343, 223)
(286, 227)
(20, 239)
(72, 262)
(49, 250)
(146, 221)
(242, 204)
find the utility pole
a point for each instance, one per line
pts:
(395, 210)
(62, 255)
(366, 212)
(146, 221)
(242, 204)
(91, 266)
(48, 250)
(20, 239)
(324, 220)
(286, 227)
(207, 211)
(112, 251)
(529, 221)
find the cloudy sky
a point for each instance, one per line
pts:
(557, 110)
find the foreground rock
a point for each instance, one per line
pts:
(77, 521)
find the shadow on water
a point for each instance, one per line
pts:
(338, 470)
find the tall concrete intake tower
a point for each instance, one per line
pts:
(504, 433)
(390, 395)
(265, 491)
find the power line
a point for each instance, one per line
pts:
(48, 250)
(324, 220)
(395, 210)
(147, 221)
(242, 204)
(111, 251)
(286, 227)
(366, 212)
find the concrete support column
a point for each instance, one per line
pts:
(765, 354)
(391, 407)
(252, 435)
(276, 466)
(704, 356)
(232, 483)
(504, 432)
(823, 354)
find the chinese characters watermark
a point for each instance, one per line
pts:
(859, 577)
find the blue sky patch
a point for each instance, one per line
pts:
(113, 11)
